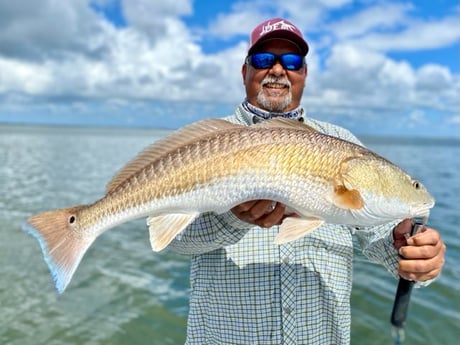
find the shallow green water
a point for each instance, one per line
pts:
(122, 293)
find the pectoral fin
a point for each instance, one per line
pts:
(347, 198)
(294, 228)
(163, 229)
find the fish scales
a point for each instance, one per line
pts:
(206, 162)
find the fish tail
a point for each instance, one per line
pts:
(62, 246)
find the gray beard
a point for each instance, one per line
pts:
(276, 107)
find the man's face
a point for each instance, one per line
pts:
(275, 89)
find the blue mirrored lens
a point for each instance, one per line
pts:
(267, 60)
(263, 60)
(291, 61)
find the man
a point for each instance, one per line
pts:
(247, 290)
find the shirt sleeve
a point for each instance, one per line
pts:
(209, 232)
(377, 245)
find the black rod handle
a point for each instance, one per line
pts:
(401, 303)
(402, 298)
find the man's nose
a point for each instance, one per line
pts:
(277, 69)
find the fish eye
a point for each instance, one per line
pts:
(416, 184)
(72, 219)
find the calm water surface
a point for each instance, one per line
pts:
(122, 293)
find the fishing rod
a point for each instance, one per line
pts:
(402, 298)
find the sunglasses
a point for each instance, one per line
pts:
(290, 62)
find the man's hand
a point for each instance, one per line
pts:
(264, 213)
(423, 253)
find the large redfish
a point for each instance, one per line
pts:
(213, 165)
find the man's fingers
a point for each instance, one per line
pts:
(244, 207)
(264, 213)
(424, 259)
(425, 237)
(419, 270)
(275, 217)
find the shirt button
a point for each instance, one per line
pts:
(287, 310)
(285, 260)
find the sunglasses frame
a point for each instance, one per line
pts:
(276, 57)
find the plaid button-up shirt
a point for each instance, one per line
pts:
(247, 290)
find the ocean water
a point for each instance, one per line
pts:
(124, 294)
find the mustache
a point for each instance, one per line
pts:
(277, 80)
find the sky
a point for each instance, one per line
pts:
(374, 67)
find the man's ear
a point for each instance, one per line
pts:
(244, 69)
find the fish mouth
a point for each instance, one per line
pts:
(422, 211)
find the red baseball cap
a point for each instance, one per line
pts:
(277, 28)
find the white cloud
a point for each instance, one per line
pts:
(434, 78)
(157, 57)
(29, 78)
(236, 23)
(46, 29)
(359, 86)
(154, 17)
(388, 26)
(364, 77)
(454, 120)
(416, 118)
(417, 36)
(381, 16)
(437, 88)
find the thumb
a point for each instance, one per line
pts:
(399, 238)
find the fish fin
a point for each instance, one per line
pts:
(281, 122)
(182, 137)
(348, 199)
(294, 228)
(62, 247)
(163, 229)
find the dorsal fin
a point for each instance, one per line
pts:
(181, 137)
(281, 122)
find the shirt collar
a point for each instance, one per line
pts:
(250, 114)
